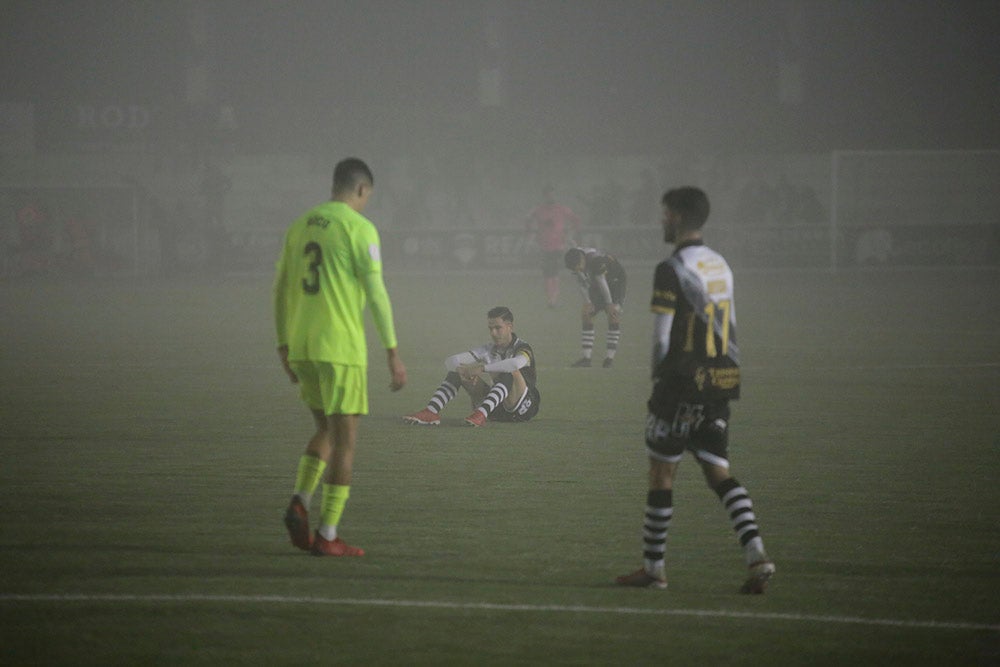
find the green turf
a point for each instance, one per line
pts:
(149, 443)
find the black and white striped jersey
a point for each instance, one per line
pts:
(693, 295)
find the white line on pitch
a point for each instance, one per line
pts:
(491, 606)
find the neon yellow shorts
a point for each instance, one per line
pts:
(335, 389)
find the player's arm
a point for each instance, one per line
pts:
(610, 307)
(471, 370)
(368, 269)
(381, 307)
(281, 317)
(664, 306)
(583, 284)
(469, 365)
(455, 361)
(515, 363)
(280, 308)
(662, 323)
(601, 280)
(397, 370)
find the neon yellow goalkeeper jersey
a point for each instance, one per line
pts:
(329, 268)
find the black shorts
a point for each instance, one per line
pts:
(522, 412)
(617, 289)
(701, 428)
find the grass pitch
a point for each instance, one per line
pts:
(149, 443)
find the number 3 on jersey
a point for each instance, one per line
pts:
(314, 252)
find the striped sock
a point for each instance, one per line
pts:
(447, 391)
(659, 512)
(614, 335)
(737, 502)
(587, 342)
(494, 398)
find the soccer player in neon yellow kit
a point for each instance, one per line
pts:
(329, 269)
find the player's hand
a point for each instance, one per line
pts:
(283, 355)
(398, 378)
(465, 372)
(470, 372)
(397, 370)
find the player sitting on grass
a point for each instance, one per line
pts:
(500, 378)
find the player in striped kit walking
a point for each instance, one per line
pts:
(696, 372)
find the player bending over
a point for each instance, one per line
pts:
(602, 284)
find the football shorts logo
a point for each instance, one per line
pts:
(700, 376)
(687, 419)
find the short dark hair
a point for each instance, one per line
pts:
(350, 172)
(573, 257)
(503, 312)
(691, 203)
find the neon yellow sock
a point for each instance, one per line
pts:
(308, 476)
(334, 499)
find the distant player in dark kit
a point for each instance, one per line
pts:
(696, 372)
(499, 377)
(602, 282)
